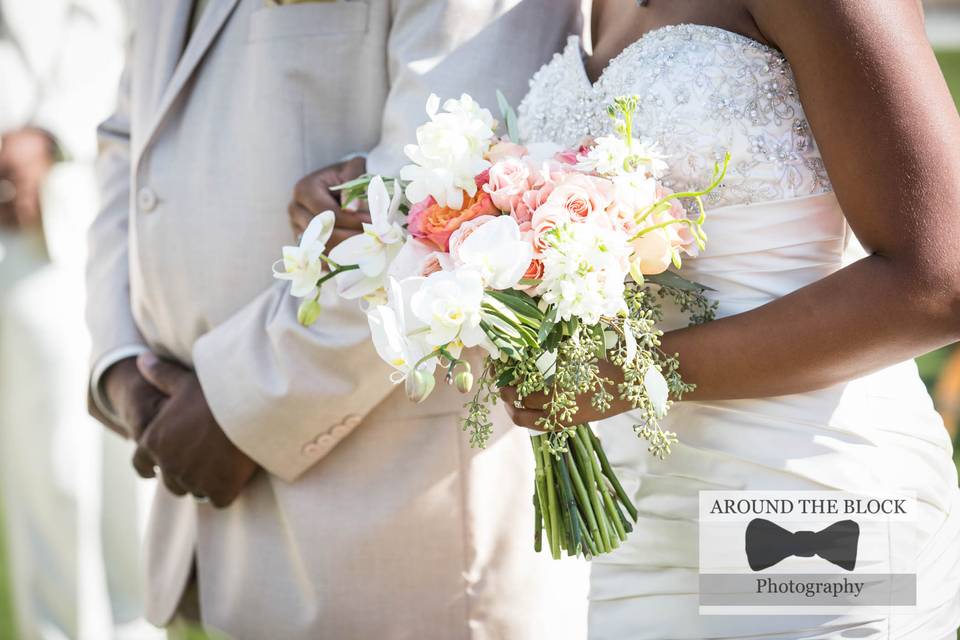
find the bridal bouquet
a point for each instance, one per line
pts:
(550, 260)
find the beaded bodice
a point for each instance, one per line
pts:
(703, 91)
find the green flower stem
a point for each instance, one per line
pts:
(540, 482)
(336, 272)
(583, 500)
(602, 489)
(554, 514)
(608, 470)
(569, 505)
(592, 548)
(537, 523)
(583, 460)
(627, 525)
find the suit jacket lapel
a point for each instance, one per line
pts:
(176, 22)
(163, 34)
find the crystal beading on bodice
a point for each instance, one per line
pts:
(703, 91)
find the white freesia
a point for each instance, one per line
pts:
(611, 155)
(374, 249)
(303, 265)
(449, 304)
(397, 333)
(449, 152)
(584, 271)
(657, 390)
(497, 252)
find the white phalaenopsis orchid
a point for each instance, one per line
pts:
(449, 304)
(449, 152)
(374, 249)
(397, 333)
(496, 250)
(303, 265)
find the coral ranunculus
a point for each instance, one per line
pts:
(434, 224)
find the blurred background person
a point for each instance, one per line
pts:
(68, 493)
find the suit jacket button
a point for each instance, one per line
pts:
(324, 442)
(339, 431)
(146, 199)
(352, 420)
(311, 449)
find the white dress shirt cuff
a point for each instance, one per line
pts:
(96, 377)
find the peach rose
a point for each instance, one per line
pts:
(508, 180)
(434, 224)
(652, 252)
(582, 196)
(533, 272)
(466, 229)
(505, 149)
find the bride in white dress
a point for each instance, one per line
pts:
(842, 134)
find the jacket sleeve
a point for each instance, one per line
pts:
(109, 317)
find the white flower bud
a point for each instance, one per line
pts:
(464, 381)
(308, 312)
(419, 385)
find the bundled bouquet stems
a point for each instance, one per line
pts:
(578, 501)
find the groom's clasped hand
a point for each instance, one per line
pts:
(315, 193)
(164, 409)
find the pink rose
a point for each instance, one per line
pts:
(529, 202)
(508, 179)
(546, 218)
(505, 149)
(466, 229)
(582, 196)
(533, 272)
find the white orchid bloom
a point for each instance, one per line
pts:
(374, 249)
(449, 302)
(396, 331)
(302, 265)
(657, 390)
(496, 250)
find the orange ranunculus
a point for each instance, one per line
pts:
(434, 224)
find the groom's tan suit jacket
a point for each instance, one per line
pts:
(373, 518)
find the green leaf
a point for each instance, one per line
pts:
(509, 117)
(362, 181)
(676, 281)
(519, 302)
(549, 322)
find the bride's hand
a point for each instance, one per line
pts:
(528, 412)
(314, 194)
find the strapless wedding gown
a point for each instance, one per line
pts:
(774, 226)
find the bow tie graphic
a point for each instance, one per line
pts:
(767, 544)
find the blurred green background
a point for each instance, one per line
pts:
(930, 366)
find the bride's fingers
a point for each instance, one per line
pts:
(522, 415)
(528, 418)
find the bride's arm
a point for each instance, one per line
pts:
(890, 137)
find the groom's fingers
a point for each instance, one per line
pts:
(143, 463)
(173, 485)
(300, 217)
(162, 374)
